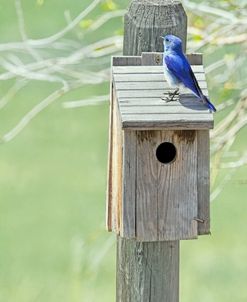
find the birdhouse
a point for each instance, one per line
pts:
(158, 173)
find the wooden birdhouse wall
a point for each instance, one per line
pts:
(168, 201)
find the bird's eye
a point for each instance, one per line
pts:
(167, 40)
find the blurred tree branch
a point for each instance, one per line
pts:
(65, 67)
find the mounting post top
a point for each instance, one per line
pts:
(145, 21)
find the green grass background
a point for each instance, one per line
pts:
(53, 243)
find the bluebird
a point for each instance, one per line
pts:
(178, 71)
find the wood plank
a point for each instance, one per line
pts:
(116, 174)
(177, 187)
(146, 102)
(162, 121)
(156, 58)
(195, 58)
(119, 169)
(152, 59)
(148, 85)
(148, 69)
(151, 93)
(174, 116)
(162, 109)
(128, 229)
(187, 102)
(143, 77)
(203, 169)
(110, 167)
(126, 60)
(146, 189)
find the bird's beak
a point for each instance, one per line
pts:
(161, 37)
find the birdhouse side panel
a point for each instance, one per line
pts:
(203, 155)
(115, 156)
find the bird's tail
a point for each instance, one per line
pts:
(209, 104)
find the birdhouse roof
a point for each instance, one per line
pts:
(139, 91)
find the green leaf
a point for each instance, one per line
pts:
(108, 5)
(86, 23)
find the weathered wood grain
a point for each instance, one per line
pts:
(173, 121)
(128, 229)
(195, 58)
(145, 21)
(166, 200)
(177, 187)
(154, 94)
(203, 159)
(188, 103)
(151, 85)
(160, 109)
(156, 58)
(149, 69)
(147, 271)
(144, 77)
(146, 188)
(126, 60)
(152, 59)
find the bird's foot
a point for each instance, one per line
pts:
(171, 96)
(168, 99)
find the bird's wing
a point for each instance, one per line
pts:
(181, 68)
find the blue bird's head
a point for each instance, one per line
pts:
(172, 43)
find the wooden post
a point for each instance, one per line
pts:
(149, 271)
(147, 20)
